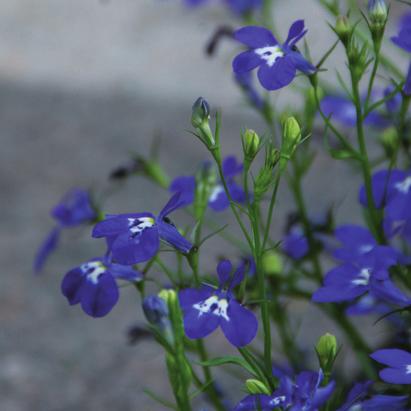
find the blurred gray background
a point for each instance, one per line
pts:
(84, 83)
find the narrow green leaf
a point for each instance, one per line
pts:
(229, 359)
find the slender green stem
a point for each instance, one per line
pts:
(365, 163)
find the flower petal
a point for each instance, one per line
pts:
(242, 326)
(128, 250)
(198, 324)
(255, 37)
(48, 246)
(395, 376)
(72, 285)
(393, 357)
(246, 61)
(125, 272)
(170, 234)
(279, 75)
(186, 185)
(224, 269)
(99, 298)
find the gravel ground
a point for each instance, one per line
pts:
(83, 84)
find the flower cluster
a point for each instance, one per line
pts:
(346, 270)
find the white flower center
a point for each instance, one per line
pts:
(355, 407)
(366, 248)
(213, 305)
(363, 277)
(277, 401)
(404, 186)
(93, 270)
(408, 369)
(217, 190)
(270, 54)
(137, 225)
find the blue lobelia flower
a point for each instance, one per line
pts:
(207, 308)
(352, 279)
(278, 63)
(306, 394)
(74, 209)
(295, 244)
(399, 365)
(356, 400)
(357, 241)
(403, 40)
(218, 200)
(342, 109)
(93, 285)
(134, 238)
(391, 191)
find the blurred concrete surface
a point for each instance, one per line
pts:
(82, 85)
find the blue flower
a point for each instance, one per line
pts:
(207, 308)
(357, 242)
(74, 209)
(295, 244)
(391, 191)
(134, 238)
(368, 273)
(356, 400)
(403, 40)
(342, 109)
(278, 64)
(218, 200)
(306, 394)
(399, 365)
(93, 285)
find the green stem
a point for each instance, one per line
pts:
(376, 227)
(211, 391)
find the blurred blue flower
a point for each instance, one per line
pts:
(218, 200)
(399, 365)
(74, 209)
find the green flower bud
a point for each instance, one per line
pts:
(254, 386)
(264, 179)
(251, 144)
(291, 139)
(326, 349)
(272, 263)
(343, 29)
(389, 140)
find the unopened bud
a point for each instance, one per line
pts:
(291, 139)
(272, 263)
(200, 113)
(343, 29)
(389, 140)
(156, 310)
(251, 144)
(377, 11)
(256, 387)
(200, 120)
(326, 351)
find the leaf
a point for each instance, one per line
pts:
(207, 237)
(229, 359)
